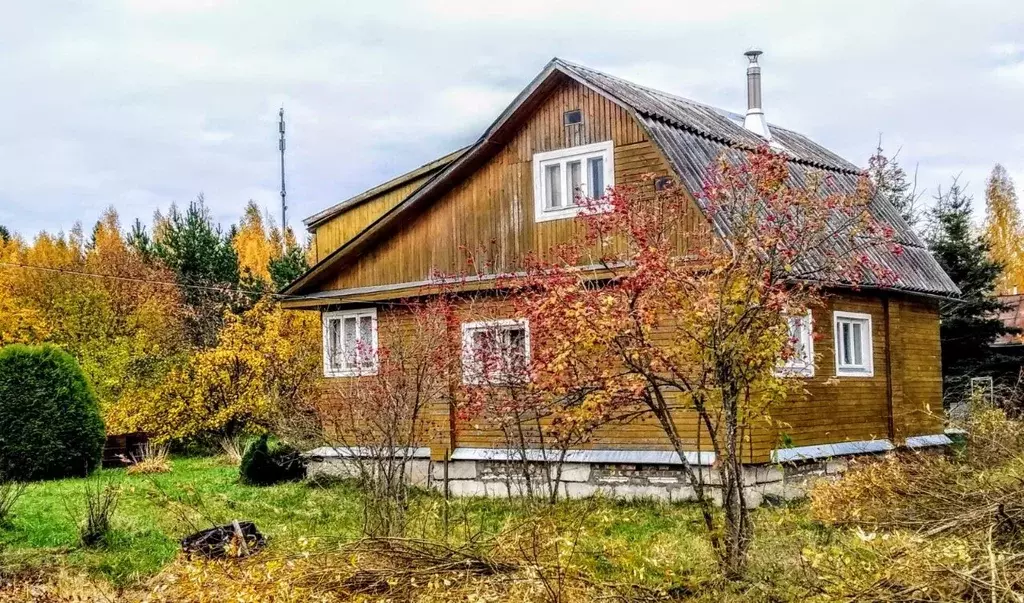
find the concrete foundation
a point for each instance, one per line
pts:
(764, 483)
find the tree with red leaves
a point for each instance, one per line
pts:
(641, 316)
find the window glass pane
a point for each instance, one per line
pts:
(796, 336)
(845, 344)
(553, 182)
(517, 349)
(574, 173)
(595, 174)
(366, 350)
(858, 353)
(349, 341)
(334, 343)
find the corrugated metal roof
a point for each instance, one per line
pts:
(692, 136)
(709, 122)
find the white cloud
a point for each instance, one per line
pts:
(146, 102)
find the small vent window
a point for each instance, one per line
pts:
(573, 117)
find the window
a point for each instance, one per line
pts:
(563, 177)
(801, 337)
(853, 344)
(573, 117)
(350, 342)
(495, 352)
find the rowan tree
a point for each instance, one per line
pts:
(383, 411)
(500, 391)
(642, 316)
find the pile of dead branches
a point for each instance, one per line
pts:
(931, 526)
(395, 566)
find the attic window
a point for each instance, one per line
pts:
(573, 117)
(563, 178)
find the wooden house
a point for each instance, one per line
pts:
(874, 376)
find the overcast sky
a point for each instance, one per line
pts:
(140, 103)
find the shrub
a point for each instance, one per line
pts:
(50, 425)
(268, 461)
(10, 492)
(100, 503)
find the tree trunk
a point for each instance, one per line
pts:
(737, 530)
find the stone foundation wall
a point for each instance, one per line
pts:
(765, 483)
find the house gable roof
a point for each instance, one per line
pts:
(426, 169)
(690, 135)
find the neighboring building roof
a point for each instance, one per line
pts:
(1012, 315)
(424, 170)
(691, 136)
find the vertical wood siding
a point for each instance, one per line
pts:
(333, 233)
(834, 409)
(491, 213)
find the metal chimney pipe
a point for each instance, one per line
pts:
(754, 119)
(753, 80)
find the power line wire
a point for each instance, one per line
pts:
(221, 289)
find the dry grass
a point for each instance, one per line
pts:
(234, 448)
(931, 527)
(151, 458)
(386, 569)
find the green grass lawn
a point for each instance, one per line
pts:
(643, 542)
(155, 511)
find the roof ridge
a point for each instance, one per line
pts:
(726, 113)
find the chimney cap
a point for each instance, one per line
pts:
(753, 53)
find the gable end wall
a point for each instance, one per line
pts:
(491, 213)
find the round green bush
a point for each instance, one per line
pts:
(266, 462)
(50, 424)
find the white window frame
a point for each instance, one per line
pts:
(801, 367)
(473, 374)
(866, 368)
(330, 368)
(561, 157)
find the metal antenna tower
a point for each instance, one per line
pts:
(280, 145)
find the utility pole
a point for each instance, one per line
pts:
(280, 145)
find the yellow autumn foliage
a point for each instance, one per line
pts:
(123, 316)
(262, 362)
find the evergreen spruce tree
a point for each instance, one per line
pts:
(139, 241)
(5, 235)
(288, 267)
(969, 325)
(206, 266)
(892, 184)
